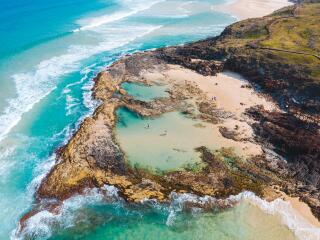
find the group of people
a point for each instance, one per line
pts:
(163, 134)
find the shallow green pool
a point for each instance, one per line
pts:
(164, 143)
(145, 93)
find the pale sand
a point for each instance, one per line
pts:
(302, 209)
(230, 97)
(243, 9)
(226, 88)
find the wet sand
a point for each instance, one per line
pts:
(243, 9)
(303, 210)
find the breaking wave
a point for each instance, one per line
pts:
(41, 224)
(133, 7)
(35, 85)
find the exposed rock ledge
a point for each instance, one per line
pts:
(93, 158)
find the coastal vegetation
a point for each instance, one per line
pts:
(290, 39)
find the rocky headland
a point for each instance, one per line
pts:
(268, 139)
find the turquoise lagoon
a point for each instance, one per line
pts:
(49, 53)
(143, 92)
(162, 144)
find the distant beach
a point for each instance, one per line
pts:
(243, 9)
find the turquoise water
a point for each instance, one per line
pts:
(162, 144)
(152, 223)
(143, 92)
(91, 218)
(49, 53)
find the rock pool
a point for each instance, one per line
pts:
(164, 143)
(144, 92)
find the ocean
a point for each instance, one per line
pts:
(50, 51)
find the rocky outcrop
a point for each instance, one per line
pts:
(93, 157)
(299, 142)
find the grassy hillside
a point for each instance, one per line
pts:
(291, 36)
(300, 33)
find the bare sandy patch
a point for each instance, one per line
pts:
(299, 207)
(302, 209)
(228, 90)
(243, 9)
(230, 93)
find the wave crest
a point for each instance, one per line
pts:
(133, 7)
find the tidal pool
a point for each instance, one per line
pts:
(144, 92)
(164, 143)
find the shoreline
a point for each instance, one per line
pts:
(302, 210)
(294, 214)
(243, 9)
(209, 86)
(228, 84)
(104, 116)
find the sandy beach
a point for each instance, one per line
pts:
(243, 9)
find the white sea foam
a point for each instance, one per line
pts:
(96, 22)
(295, 222)
(71, 104)
(40, 225)
(90, 103)
(132, 8)
(40, 172)
(5, 163)
(87, 82)
(180, 200)
(183, 6)
(289, 217)
(88, 73)
(33, 86)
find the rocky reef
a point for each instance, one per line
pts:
(285, 69)
(93, 158)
